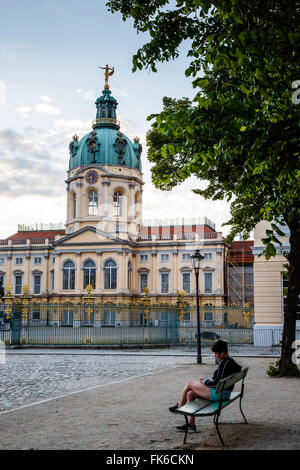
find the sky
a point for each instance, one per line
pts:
(50, 54)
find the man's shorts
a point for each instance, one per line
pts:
(216, 396)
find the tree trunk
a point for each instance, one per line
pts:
(289, 325)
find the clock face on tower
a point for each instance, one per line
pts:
(91, 177)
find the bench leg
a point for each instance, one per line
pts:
(186, 431)
(217, 428)
(242, 411)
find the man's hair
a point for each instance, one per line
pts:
(220, 346)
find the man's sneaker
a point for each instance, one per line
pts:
(191, 428)
(172, 409)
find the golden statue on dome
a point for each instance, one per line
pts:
(109, 71)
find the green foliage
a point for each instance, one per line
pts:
(274, 369)
(240, 133)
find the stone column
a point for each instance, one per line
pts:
(154, 274)
(99, 273)
(175, 278)
(78, 274)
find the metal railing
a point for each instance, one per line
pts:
(180, 236)
(114, 325)
(105, 121)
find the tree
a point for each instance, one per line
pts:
(240, 133)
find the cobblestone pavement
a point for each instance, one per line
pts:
(28, 377)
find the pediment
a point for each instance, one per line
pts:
(87, 235)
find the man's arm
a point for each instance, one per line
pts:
(216, 377)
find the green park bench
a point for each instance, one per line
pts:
(202, 407)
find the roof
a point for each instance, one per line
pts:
(43, 234)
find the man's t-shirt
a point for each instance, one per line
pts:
(227, 366)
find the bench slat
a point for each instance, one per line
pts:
(191, 408)
(231, 380)
(201, 407)
(214, 406)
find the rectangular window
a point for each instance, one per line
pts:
(186, 282)
(208, 316)
(186, 256)
(143, 281)
(37, 284)
(36, 315)
(37, 260)
(67, 318)
(164, 257)
(208, 256)
(208, 283)
(144, 257)
(109, 317)
(18, 284)
(19, 261)
(119, 228)
(2, 260)
(164, 283)
(53, 259)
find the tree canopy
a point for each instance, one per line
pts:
(241, 130)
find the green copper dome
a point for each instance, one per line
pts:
(105, 144)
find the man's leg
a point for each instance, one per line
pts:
(190, 397)
(200, 390)
(193, 389)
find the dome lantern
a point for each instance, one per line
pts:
(105, 144)
(106, 105)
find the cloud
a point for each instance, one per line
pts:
(44, 108)
(68, 127)
(86, 94)
(119, 93)
(2, 92)
(29, 167)
(44, 99)
(173, 205)
(24, 111)
(10, 138)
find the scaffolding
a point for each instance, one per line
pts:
(239, 278)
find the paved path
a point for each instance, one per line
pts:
(32, 376)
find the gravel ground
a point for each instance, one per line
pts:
(120, 402)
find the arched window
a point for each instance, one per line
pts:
(74, 206)
(69, 275)
(117, 203)
(93, 203)
(110, 274)
(103, 112)
(89, 274)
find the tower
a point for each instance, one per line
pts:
(104, 181)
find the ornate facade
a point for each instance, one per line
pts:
(104, 243)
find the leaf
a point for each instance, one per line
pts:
(244, 89)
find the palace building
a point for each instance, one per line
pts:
(104, 242)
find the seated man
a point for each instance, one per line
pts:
(205, 388)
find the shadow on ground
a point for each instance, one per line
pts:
(243, 436)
